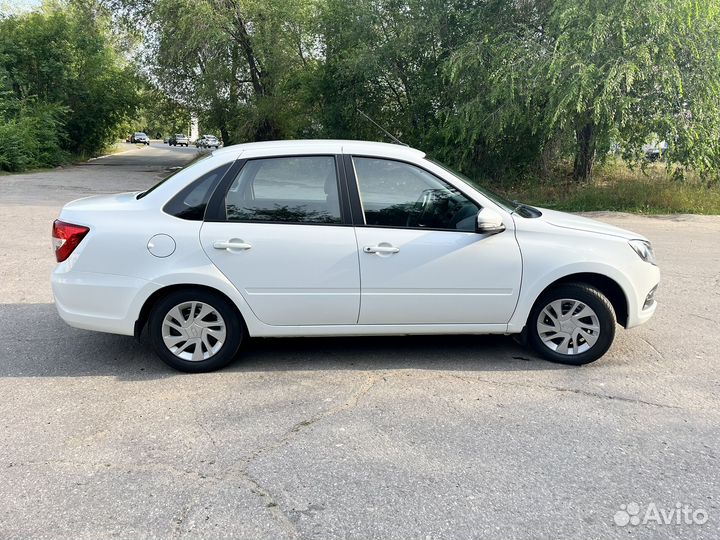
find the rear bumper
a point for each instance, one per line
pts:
(99, 302)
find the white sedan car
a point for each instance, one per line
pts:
(338, 238)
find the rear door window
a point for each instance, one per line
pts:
(286, 190)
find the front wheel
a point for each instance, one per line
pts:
(195, 330)
(572, 323)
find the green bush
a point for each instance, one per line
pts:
(32, 137)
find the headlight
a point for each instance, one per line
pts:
(644, 250)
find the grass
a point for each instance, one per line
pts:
(615, 187)
(116, 148)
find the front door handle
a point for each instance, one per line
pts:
(232, 244)
(382, 249)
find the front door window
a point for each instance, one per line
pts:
(397, 194)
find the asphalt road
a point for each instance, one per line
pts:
(470, 437)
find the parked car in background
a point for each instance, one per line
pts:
(338, 238)
(208, 141)
(179, 139)
(140, 138)
(655, 151)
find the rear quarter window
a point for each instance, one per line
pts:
(190, 203)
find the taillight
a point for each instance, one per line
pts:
(66, 237)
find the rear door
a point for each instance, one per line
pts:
(279, 232)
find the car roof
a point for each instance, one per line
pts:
(336, 146)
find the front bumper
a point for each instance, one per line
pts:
(642, 316)
(644, 303)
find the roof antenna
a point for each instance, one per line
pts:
(385, 131)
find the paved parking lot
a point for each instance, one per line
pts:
(470, 437)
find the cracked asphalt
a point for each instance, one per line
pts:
(392, 437)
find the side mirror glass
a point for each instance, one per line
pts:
(489, 221)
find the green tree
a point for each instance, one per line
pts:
(386, 58)
(64, 58)
(599, 72)
(158, 115)
(236, 63)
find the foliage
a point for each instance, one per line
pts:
(157, 115)
(31, 136)
(65, 87)
(498, 88)
(238, 63)
(386, 57)
(595, 73)
(616, 187)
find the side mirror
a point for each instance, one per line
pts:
(489, 222)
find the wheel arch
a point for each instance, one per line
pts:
(150, 301)
(606, 285)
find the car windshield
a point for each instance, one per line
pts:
(191, 163)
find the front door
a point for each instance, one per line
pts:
(420, 260)
(283, 243)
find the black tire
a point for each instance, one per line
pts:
(234, 327)
(592, 298)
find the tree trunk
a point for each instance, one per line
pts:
(225, 135)
(585, 152)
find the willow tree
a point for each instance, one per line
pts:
(601, 73)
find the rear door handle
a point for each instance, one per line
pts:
(232, 244)
(383, 249)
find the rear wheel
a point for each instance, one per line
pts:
(572, 324)
(195, 330)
